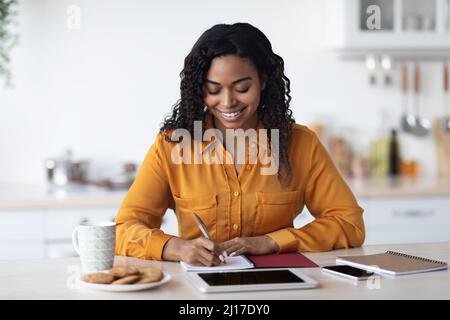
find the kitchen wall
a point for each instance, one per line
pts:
(103, 90)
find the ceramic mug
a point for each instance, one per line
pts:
(95, 243)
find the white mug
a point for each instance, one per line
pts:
(95, 243)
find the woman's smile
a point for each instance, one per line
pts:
(231, 116)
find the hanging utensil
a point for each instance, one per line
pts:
(408, 121)
(386, 64)
(446, 118)
(423, 125)
(371, 65)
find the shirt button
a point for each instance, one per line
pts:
(236, 193)
(235, 227)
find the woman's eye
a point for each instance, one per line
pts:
(217, 91)
(243, 90)
(213, 91)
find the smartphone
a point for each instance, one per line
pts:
(348, 272)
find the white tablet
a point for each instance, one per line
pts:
(250, 280)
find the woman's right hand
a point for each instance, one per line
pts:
(199, 251)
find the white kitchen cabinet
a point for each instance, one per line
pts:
(400, 219)
(60, 223)
(21, 225)
(388, 24)
(22, 251)
(407, 220)
(22, 234)
(44, 233)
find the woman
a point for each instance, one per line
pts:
(232, 81)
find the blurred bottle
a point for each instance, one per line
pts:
(379, 148)
(378, 157)
(394, 154)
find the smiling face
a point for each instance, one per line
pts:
(232, 92)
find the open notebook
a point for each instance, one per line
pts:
(278, 260)
(392, 263)
(236, 262)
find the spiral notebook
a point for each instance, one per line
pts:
(392, 263)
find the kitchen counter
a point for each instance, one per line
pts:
(400, 187)
(40, 197)
(23, 197)
(56, 279)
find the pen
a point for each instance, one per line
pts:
(205, 233)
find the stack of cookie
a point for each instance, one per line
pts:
(125, 275)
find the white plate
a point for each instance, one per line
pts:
(126, 287)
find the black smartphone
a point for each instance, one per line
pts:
(348, 272)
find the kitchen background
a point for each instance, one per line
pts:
(92, 80)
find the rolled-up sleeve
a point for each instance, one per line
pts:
(138, 221)
(338, 217)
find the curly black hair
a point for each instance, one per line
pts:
(246, 41)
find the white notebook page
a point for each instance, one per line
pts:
(233, 263)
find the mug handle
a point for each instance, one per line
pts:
(75, 240)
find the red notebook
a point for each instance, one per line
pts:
(282, 260)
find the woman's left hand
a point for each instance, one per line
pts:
(250, 245)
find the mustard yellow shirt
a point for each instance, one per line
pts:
(240, 205)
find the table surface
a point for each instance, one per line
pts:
(57, 279)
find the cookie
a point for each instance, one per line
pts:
(146, 279)
(127, 280)
(120, 272)
(102, 278)
(150, 274)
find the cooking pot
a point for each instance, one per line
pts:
(62, 171)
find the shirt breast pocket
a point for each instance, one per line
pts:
(276, 210)
(205, 207)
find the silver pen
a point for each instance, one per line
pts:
(205, 233)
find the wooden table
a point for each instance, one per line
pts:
(56, 279)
